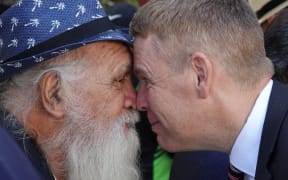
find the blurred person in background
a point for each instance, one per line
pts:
(276, 44)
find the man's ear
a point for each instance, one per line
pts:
(202, 66)
(49, 89)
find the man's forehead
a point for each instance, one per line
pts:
(113, 53)
(144, 50)
(142, 66)
(104, 48)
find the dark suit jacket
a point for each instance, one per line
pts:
(273, 153)
(200, 165)
(13, 163)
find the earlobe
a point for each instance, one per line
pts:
(49, 88)
(203, 69)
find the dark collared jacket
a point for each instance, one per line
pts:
(28, 146)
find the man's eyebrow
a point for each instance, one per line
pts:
(126, 68)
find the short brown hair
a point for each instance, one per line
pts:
(225, 30)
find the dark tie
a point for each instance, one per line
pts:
(234, 173)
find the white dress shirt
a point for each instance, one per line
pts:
(244, 152)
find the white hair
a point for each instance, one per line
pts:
(19, 93)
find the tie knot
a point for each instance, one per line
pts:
(234, 173)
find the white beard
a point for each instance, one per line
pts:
(106, 155)
(95, 153)
(93, 148)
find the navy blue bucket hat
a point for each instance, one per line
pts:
(32, 31)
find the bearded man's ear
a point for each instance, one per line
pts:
(50, 97)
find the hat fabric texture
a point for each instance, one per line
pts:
(32, 31)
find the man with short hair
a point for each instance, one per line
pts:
(66, 94)
(205, 82)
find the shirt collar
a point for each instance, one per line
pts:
(244, 152)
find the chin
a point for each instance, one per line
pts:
(170, 145)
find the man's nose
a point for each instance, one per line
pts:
(130, 97)
(141, 98)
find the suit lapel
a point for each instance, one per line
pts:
(277, 108)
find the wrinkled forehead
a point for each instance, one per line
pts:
(148, 45)
(107, 54)
(145, 45)
(102, 50)
(146, 56)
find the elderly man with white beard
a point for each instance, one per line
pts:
(65, 91)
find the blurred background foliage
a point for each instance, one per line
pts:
(107, 3)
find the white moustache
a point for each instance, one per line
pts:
(130, 118)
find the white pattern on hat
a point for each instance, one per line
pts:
(19, 3)
(59, 6)
(14, 43)
(36, 3)
(38, 59)
(81, 10)
(2, 70)
(107, 37)
(55, 25)
(33, 23)
(96, 16)
(15, 65)
(30, 43)
(62, 51)
(98, 5)
(74, 25)
(1, 43)
(14, 22)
